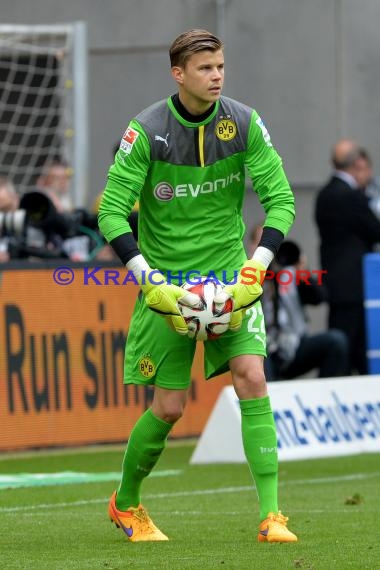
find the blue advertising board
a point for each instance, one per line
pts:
(372, 310)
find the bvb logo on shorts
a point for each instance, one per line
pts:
(147, 367)
(226, 129)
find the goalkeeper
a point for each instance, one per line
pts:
(185, 159)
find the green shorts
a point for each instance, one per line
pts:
(157, 355)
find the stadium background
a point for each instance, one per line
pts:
(310, 68)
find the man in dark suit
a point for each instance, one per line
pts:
(348, 229)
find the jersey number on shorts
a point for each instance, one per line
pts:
(256, 323)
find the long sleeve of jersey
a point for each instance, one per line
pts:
(126, 178)
(265, 169)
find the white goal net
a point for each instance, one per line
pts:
(43, 103)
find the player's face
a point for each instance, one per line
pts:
(200, 82)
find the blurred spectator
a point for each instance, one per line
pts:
(348, 229)
(292, 350)
(81, 241)
(35, 225)
(368, 181)
(9, 202)
(9, 199)
(55, 181)
(23, 229)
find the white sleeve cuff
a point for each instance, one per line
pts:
(263, 255)
(139, 267)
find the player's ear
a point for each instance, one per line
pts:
(177, 74)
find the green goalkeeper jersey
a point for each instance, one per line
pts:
(190, 180)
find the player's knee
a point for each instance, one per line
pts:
(169, 405)
(250, 383)
(172, 415)
(170, 412)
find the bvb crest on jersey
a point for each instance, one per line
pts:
(226, 129)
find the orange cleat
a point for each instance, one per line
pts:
(274, 529)
(135, 523)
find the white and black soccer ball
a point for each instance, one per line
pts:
(212, 315)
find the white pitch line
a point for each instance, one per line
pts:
(223, 512)
(337, 479)
(197, 492)
(23, 480)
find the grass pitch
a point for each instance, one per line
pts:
(210, 514)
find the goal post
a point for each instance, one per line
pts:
(44, 103)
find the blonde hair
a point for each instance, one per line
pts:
(191, 42)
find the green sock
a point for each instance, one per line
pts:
(145, 445)
(260, 447)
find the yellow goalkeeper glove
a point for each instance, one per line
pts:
(162, 298)
(246, 291)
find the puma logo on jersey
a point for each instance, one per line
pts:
(164, 140)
